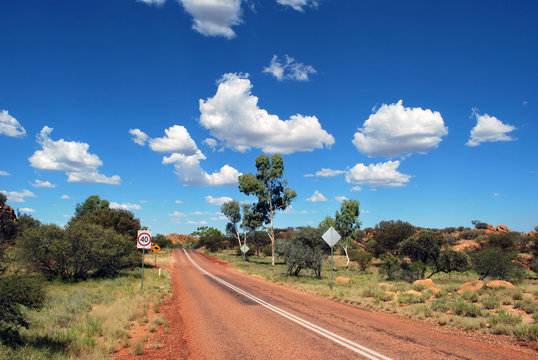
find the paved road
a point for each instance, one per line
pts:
(229, 315)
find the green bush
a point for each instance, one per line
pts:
(389, 234)
(84, 249)
(527, 333)
(495, 263)
(17, 292)
(389, 265)
(363, 258)
(302, 251)
(463, 308)
(503, 317)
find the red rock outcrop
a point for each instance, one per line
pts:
(472, 285)
(501, 228)
(180, 238)
(493, 284)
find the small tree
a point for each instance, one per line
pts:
(272, 193)
(389, 234)
(90, 205)
(450, 260)
(363, 258)
(347, 223)
(302, 251)
(494, 262)
(424, 247)
(232, 211)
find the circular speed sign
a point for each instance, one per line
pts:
(144, 240)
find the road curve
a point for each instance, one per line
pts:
(229, 315)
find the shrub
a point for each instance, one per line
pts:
(363, 258)
(407, 298)
(424, 246)
(84, 249)
(388, 235)
(17, 292)
(495, 263)
(389, 265)
(527, 333)
(470, 295)
(450, 260)
(503, 317)
(463, 308)
(302, 251)
(527, 304)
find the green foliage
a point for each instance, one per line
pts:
(90, 205)
(491, 302)
(347, 222)
(389, 265)
(326, 224)
(363, 258)
(121, 221)
(495, 263)
(161, 240)
(507, 242)
(450, 260)
(424, 246)
(302, 251)
(202, 231)
(17, 292)
(84, 249)
(479, 224)
(213, 242)
(389, 234)
(272, 193)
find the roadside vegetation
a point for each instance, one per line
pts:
(74, 292)
(448, 276)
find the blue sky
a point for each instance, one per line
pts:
(425, 112)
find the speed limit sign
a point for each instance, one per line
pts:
(143, 240)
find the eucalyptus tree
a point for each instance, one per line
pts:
(347, 223)
(272, 192)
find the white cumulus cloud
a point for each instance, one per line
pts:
(489, 129)
(341, 198)
(217, 200)
(317, 197)
(18, 196)
(185, 156)
(298, 4)
(70, 157)
(394, 130)
(378, 175)
(139, 137)
(66, 197)
(153, 2)
(178, 202)
(288, 69)
(126, 206)
(214, 17)
(356, 188)
(10, 126)
(329, 172)
(233, 117)
(42, 184)
(26, 210)
(4, 173)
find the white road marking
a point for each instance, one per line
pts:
(364, 351)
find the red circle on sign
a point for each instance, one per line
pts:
(141, 234)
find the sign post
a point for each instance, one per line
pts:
(143, 241)
(156, 248)
(244, 249)
(331, 237)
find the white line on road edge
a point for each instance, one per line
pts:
(370, 354)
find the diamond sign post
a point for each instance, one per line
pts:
(244, 249)
(331, 237)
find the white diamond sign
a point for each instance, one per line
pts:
(331, 237)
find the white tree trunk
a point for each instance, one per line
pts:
(347, 257)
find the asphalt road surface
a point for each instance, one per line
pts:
(229, 315)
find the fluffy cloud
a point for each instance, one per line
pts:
(140, 137)
(212, 143)
(378, 175)
(127, 206)
(218, 200)
(489, 129)
(70, 157)
(203, 222)
(394, 130)
(329, 172)
(42, 184)
(177, 214)
(178, 202)
(298, 4)
(288, 68)
(190, 172)
(185, 156)
(214, 17)
(317, 197)
(10, 126)
(26, 210)
(66, 197)
(356, 188)
(18, 196)
(233, 117)
(4, 173)
(341, 198)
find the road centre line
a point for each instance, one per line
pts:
(362, 350)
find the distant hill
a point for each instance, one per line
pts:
(181, 239)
